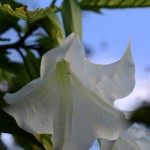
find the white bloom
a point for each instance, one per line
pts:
(134, 138)
(73, 98)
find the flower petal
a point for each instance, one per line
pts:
(78, 113)
(27, 107)
(134, 138)
(112, 81)
(67, 99)
(53, 56)
(121, 144)
(107, 144)
(137, 133)
(121, 82)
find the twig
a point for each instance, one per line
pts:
(53, 3)
(4, 39)
(19, 43)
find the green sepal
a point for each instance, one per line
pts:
(71, 14)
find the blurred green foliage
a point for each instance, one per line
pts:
(142, 115)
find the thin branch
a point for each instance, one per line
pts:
(19, 43)
(4, 39)
(53, 3)
(25, 63)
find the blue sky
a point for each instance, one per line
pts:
(108, 34)
(114, 29)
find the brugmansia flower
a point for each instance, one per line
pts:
(73, 98)
(134, 138)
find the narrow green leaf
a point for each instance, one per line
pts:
(95, 5)
(23, 13)
(9, 125)
(142, 115)
(71, 14)
(53, 28)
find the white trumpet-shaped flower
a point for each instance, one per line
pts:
(73, 98)
(134, 138)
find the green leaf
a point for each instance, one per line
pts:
(20, 74)
(33, 63)
(23, 143)
(45, 139)
(9, 125)
(13, 73)
(5, 76)
(8, 72)
(45, 44)
(10, 22)
(23, 13)
(142, 115)
(95, 5)
(71, 14)
(53, 28)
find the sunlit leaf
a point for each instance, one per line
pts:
(23, 13)
(9, 125)
(71, 14)
(95, 5)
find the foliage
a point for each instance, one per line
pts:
(17, 74)
(71, 10)
(9, 125)
(95, 5)
(23, 13)
(141, 115)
